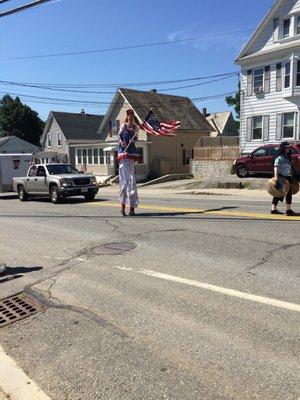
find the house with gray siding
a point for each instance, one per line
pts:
(64, 131)
(270, 79)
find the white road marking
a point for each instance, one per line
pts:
(228, 292)
(15, 383)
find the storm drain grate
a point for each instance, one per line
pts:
(17, 307)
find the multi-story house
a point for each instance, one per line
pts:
(270, 79)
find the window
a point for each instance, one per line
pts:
(90, 156)
(140, 151)
(84, 159)
(288, 125)
(257, 128)
(96, 156)
(258, 81)
(49, 138)
(59, 139)
(287, 75)
(298, 74)
(41, 171)
(186, 156)
(101, 156)
(32, 171)
(297, 31)
(259, 152)
(79, 156)
(271, 150)
(115, 127)
(278, 77)
(286, 27)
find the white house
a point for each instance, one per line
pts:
(270, 79)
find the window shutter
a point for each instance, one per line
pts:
(278, 77)
(297, 133)
(266, 120)
(110, 128)
(118, 126)
(278, 127)
(249, 82)
(267, 79)
(249, 129)
(275, 30)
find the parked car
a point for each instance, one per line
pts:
(260, 161)
(56, 181)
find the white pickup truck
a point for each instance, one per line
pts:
(56, 181)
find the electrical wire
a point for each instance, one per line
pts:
(22, 8)
(162, 43)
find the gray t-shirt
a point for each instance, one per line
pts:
(284, 165)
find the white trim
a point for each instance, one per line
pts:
(294, 126)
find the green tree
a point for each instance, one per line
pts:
(234, 101)
(20, 120)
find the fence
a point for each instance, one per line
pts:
(216, 153)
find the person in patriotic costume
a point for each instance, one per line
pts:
(127, 155)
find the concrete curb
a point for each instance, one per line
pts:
(15, 384)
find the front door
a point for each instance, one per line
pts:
(258, 160)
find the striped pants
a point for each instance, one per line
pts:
(127, 181)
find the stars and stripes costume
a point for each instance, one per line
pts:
(127, 155)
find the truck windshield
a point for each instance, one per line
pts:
(59, 169)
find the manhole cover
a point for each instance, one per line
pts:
(17, 307)
(114, 248)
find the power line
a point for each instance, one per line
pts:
(3, 1)
(61, 89)
(122, 47)
(98, 103)
(22, 8)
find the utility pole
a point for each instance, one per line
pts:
(21, 8)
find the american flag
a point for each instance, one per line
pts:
(153, 126)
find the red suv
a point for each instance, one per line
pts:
(260, 161)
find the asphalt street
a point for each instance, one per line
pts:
(201, 303)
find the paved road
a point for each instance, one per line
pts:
(159, 321)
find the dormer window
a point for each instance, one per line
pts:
(286, 27)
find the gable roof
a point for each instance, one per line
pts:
(219, 120)
(24, 145)
(258, 30)
(165, 107)
(75, 125)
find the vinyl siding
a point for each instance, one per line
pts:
(265, 39)
(266, 104)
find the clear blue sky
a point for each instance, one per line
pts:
(79, 25)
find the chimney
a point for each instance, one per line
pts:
(82, 111)
(153, 90)
(204, 112)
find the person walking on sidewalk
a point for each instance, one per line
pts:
(127, 155)
(283, 168)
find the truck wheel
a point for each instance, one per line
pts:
(90, 196)
(54, 195)
(23, 196)
(241, 171)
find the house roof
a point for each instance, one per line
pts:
(165, 107)
(259, 29)
(219, 120)
(24, 145)
(75, 126)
